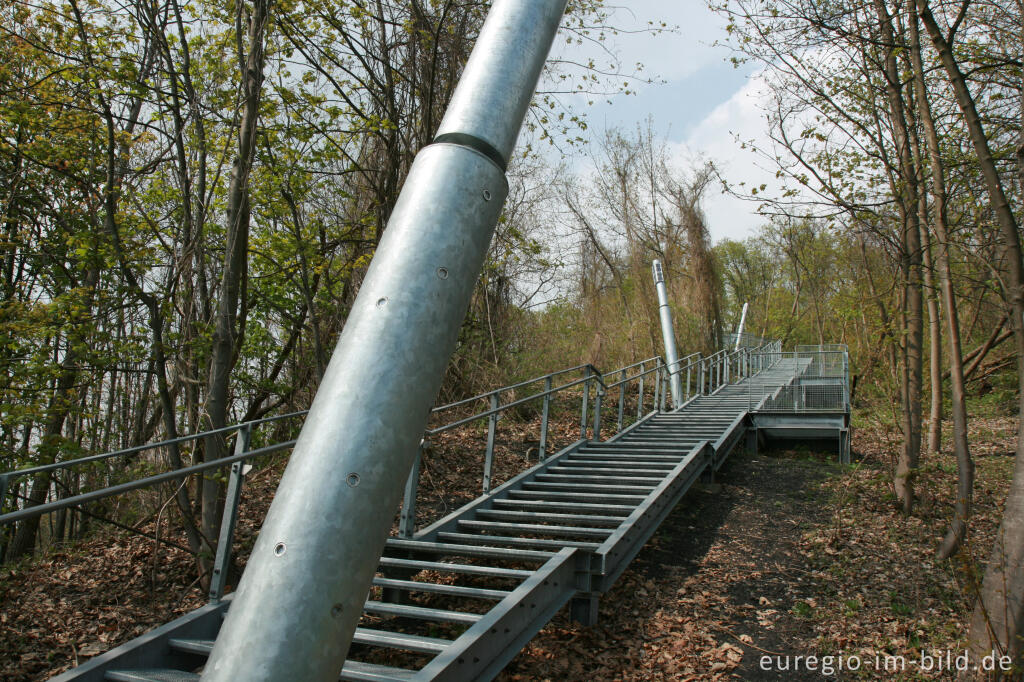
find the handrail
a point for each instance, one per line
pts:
(40, 509)
(82, 498)
(502, 408)
(481, 396)
(688, 364)
(67, 463)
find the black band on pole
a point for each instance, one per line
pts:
(475, 143)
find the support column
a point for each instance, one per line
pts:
(298, 603)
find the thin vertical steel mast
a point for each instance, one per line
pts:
(668, 335)
(739, 329)
(298, 603)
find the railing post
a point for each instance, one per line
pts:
(688, 368)
(492, 427)
(585, 403)
(407, 521)
(598, 395)
(663, 396)
(545, 411)
(640, 393)
(657, 387)
(4, 482)
(622, 400)
(230, 517)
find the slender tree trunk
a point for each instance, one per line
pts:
(965, 465)
(226, 335)
(998, 620)
(932, 300)
(906, 468)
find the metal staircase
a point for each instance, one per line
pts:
(462, 596)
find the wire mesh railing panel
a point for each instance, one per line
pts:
(797, 398)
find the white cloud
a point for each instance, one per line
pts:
(718, 137)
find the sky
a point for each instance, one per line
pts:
(699, 106)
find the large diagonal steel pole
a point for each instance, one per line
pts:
(298, 603)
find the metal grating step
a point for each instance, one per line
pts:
(531, 528)
(445, 567)
(490, 540)
(591, 519)
(441, 588)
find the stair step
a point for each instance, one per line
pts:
(608, 471)
(622, 510)
(618, 460)
(563, 496)
(587, 487)
(357, 671)
(440, 588)
(462, 550)
(420, 612)
(368, 636)
(592, 519)
(156, 675)
(400, 640)
(649, 448)
(488, 540)
(530, 528)
(644, 455)
(445, 567)
(599, 478)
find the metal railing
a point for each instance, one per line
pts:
(649, 376)
(648, 379)
(823, 384)
(236, 461)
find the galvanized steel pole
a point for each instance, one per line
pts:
(739, 330)
(668, 335)
(298, 603)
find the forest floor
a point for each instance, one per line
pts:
(787, 554)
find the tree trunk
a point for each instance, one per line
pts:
(906, 468)
(998, 619)
(965, 465)
(934, 328)
(226, 335)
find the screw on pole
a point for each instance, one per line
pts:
(492, 426)
(407, 521)
(545, 411)
(229, 518)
